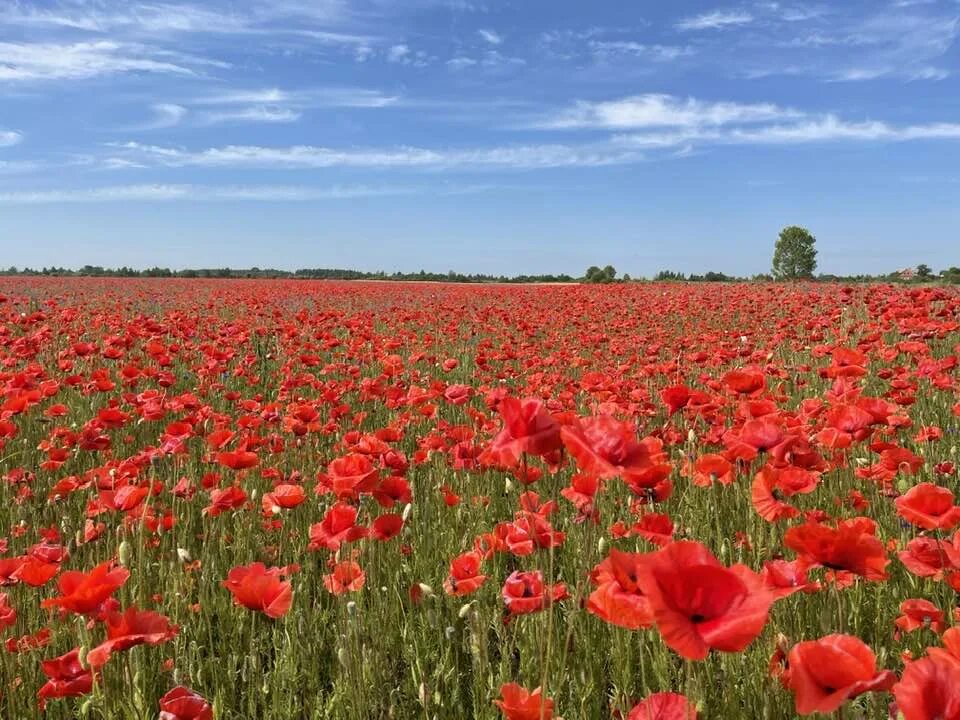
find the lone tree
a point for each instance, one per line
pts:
(795, 256)
(596, 275)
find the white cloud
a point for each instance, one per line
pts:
(716, 20)
(615, 50)
(398, 53)
(490, 36)
(653, 110)
(312, 157)
(824, 129)
(51, 61)
(255, 114)
(460, 62)
(226, 193)
(166, 115)
(10, 137)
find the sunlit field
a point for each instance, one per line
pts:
(299, 499)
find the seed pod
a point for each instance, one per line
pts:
(124, 553)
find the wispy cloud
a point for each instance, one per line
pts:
(490, 36)
(166, 115)
(657, 110)
(312, 157)
(10, 137)
(716, 20)
(225, 193)
(77, 61)
(825, 129)
(617, 50)
(255, 114)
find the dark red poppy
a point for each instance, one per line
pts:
(825, 673)
(260, 588)
(86, 593)
(518, 703)
(663, 706)
(128, 629)
(698, 603)
(184, 704)
(465, 577)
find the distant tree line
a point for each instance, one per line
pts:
(272, 273)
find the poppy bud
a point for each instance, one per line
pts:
(82, 657)
(507, 486)
(351, 608)
(407, 509)
(425, 589)
(449, 631)
(342, 656)
(465, 610)
(691, 436)
(124, 553)
(183, 554)
(602, 545)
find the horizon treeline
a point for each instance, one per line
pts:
(593, 275)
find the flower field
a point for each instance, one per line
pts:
(299, 499)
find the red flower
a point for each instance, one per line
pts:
(851, 547)
(525, 592)
(85, 593)
(465, 577)
(132, 627)
(351, 475)
(66, 678)
(346, 577)
(698, 604)
(517, 703)
(929, 690)
(257, 587)
(929, 506)
(618, 599)
(184, 704)
(918, 613)
(527, 428)
(238, 459)
(283, 497)
(605, 447)
(825, 673)
(8, 614)
(338, 526)
(663, 706)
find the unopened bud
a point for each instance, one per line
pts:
(124, 553)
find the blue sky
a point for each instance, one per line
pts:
(477, 135)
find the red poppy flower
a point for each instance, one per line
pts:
(698, 603)
(283, 497)
(929, 690)
(66, 678)
(918, 613)
(8, 614)
(184, 704)
(238, 459)
(257, 587)
(618, 599)
(338, 526)
(851, 547)
(465, 577)
(825, 673)
(663, 706)
(710, 468)
(85, 593)
(527, 428)
(929, 506)
(346, 577)
(351, 475)
(128, 629)
(517, 703)
(525, 592)
(605, 447)
(386, 527)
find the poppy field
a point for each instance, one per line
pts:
(316, 499)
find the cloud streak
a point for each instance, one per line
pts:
(10, 137)
(716, 20)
